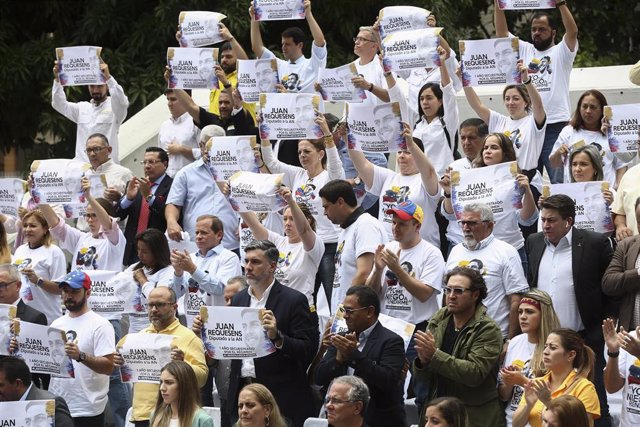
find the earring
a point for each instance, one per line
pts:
(266, 421)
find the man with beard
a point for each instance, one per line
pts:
(103, 114)
(92, 353)
(550, 67)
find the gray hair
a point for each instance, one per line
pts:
(369, 29)
(238, 279)
(210, 131)
(486, 214)
(11, 270)
(358, 390)
(101, 137)
(270, 250)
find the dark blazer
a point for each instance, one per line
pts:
(284, 371)
(30, 314)
(156, 217)
(621, 279)
(62, 414)
(590, 254)
(379, 364)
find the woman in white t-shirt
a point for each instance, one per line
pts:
(40, 262)
(523, 360)
(300, 248)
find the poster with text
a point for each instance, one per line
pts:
(7, 314)
(11, 193)
(256, 76)
(526, 4)
(623, 133)
(192, 67)
(277, 10)
(407, 50)
(98, 186)
(28, 413)
(402, 18)
(255, 192)
(144, 356)
(114, 292)
(592, 211)
(199, 28)
(234, 333)
(335, 84)
(231, 154)
(375, 128)
(57, 181)
(490, 62)
(79, 66)
(494, 186)
(290, 115)
(42, 348)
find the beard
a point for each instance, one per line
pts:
(470, 242)
(73, 307)
(542, 45)
(228, 68)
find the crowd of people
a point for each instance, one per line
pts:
(521, 317)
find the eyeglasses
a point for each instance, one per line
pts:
(150, 162)
(470, 223)
(456, 291)
(94, 150)
(334, 401)
(90, 216)
(157, 305)
(362, 39)
(4, 286)
(350, 311)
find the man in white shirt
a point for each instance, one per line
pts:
(103, 114)
(178, 135)
(370, 73)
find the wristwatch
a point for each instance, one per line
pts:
(227, 86)
(81, 357)
(357, 180)
(39, 282)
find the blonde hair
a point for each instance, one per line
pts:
(47, 240)
(264, 396)
(548, 322)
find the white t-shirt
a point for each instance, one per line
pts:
(361, 237)
(140, 320)
(395, 188)
(297, 268)
(272, 221)
(424, 262)
(524, 133)
(300, 75)
(520, 349)
(49, 263)
(86, 394)
(373, 73)
(501, 268)
(629, 367)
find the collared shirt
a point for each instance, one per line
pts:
(125, 203)
(248, 368)
(555, 277)
(181, 131)
(362, 341)
(299, 75)
(24, 396)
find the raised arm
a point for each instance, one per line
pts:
(236, 47)
(334, 165)
(256, 38)
(183, 98)
(500, 21)
(570, 27)
(474, 102)
(363, 166)
(300, 221)
(102, 216)
(425, 167)
(316, 31)
(259, 231)
(539, 114)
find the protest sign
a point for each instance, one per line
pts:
(592, 211)
(255, 192)
(402, 18)
(28, 413)
(490, 62)
(399, 326)
(79, 66)
(290, 115)
(256, 76)
(234, 333)
(42, 348)
(526, 4)
(407, 50)
(114, 292)
(199, 28)
(11, 193)
(494, 186)
(375, 128)
(192, 67)
(231, 154)
(623, 132)
(276, 10)
(144, 356)
(335, 84)
(7, 314)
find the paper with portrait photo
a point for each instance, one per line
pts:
(290, 115)
(494, 186)
(144, 356)
(399, 326)
(335, 84)
(42, 348)
(7, 314)
(11, 193)
(375, 128)
(192, 67)
(255, 192)
(623, 133)
(256, 76)
(79, 66)
(231, 154)
(234, 333)
(277, 10)
(402, 18)
(592, 211)
(28, 413)
(98, 186)
(57, 181)
(526, 4)
(199, 28)
(490, 62)
(114, 292)
(407, 50)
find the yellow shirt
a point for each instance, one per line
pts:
(215, 94)
(583, 389)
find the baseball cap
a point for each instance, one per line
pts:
(76, 279)
(407, 210)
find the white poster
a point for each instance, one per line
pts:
(592, 212)
(192, 67)
(255, 192)
(79, 66)
(275, 10)
(114, 293)
(490, 62)
(144, 356)
(375, 128)
(7, 314)
(495, 186)
(335, 84)
(57, 181)
(402, 18)
(231, 154)
(199, 28)
(407, 50)
(290, 115)
(256, 76)
(623, 133)
(526, 4)
(399, 326)
(11, 193)
(42, 348)
(234, 333)
(28, 413)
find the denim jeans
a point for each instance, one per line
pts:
(119, 393)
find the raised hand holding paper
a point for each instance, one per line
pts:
(407, 50)
(256, 76)
(79, 66)
(335, 84)
(402, 18)
(376, 128)
(144, 356)
(290, 116)
(114, 293)
(623, 132)
(275, 10)
(255, 192)
(231, 154)
(526, 4)
(199, 28)
(490, 62)
(11, 193)
(192, 68)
